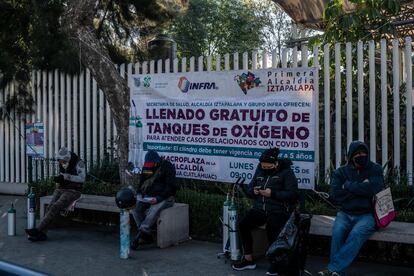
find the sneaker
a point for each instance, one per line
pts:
(39, 237)
(243, 265)
(141, 239)
(327, 272)
(32, 232)
(272, 271)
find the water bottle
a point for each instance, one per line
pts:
(11, 219)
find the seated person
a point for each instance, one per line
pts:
(68, 189)
(156, 191)
(352, 188)
(274, 189)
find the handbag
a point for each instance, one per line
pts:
(286, 239)
(384, 211)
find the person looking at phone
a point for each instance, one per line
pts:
(156, 191)
(274, 190)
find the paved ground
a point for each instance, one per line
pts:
(93, 250)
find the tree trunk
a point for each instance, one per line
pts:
(77, 23)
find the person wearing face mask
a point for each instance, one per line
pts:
(156, 191)
(274, 190)
(352, 189)
(69, 182)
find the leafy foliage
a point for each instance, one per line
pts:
(369, 20)
(212, 27)
(31, 36)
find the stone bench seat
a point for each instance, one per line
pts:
(396, 232)
(172, 224)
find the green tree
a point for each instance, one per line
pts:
(369, 19)
(212, 27)
(56, 33)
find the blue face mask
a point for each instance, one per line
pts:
(361, 160)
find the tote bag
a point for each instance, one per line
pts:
(384, 211)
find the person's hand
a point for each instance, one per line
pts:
(153, 200)
(58, 179)
(66, 176)
(266, 192)
(256, 191)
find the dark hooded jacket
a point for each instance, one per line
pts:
(282, 183)
(350, 188)
(163, 182)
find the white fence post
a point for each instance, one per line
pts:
(372, 117)
(327, 104)
(338, 129)
(349, 114)
(2, 139)
(409, 108)
(316, 65)
(396, 106)
(360, 62)
(384, 102)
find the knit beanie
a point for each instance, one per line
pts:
(269, 155)
(151, 163)
(63, 154)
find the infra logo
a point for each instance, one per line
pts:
(184, 84)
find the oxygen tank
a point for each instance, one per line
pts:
(139, 144)
(234, 232)
(124, 234)
(226, 241)
(11, 220)
(31, 210)
(131, 137)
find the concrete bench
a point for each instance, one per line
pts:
(397, 232)
(172, 225)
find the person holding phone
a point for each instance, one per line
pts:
(156, 191)
(274, 190)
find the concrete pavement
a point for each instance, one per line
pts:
(94, 250)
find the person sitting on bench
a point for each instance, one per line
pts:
(352, 188)
(68, 189)
(156, 191)
(274, 189)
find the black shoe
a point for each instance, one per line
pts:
(135, 244)
(40, 237)
(32, 232)
(243, 265)
(146, 238)
(327, 272)
(272, 271)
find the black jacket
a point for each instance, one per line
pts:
(282, 183)
(354, 189)
(164, 183)
(74, 176)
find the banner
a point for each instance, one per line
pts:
(34, 139)
(214, 125)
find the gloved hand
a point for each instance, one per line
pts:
(59, 179)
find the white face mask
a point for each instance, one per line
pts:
(65, 165)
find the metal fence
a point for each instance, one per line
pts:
(360, 97)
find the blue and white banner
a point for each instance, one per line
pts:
(214, 125)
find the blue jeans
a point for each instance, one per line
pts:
(146, 215)
(348, 235)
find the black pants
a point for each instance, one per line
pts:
(255, 218)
